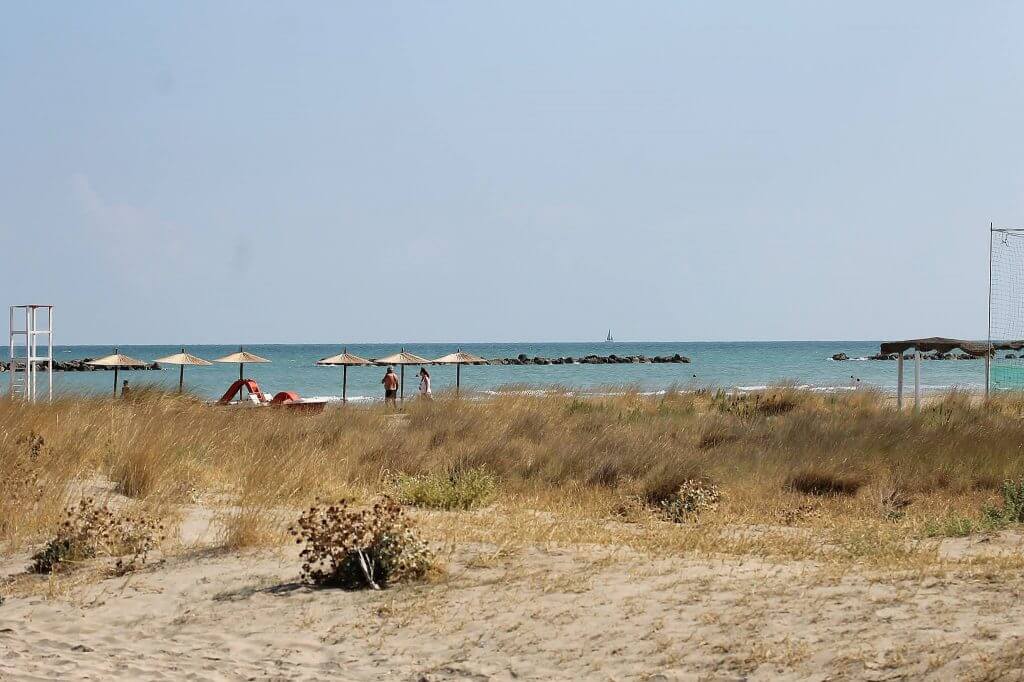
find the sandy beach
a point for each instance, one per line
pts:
(530, 612)
(778, 535)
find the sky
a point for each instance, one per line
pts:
(260, 172)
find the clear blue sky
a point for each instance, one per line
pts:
(319, 172)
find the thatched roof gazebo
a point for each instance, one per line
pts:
(940, 344)
(346, 360)
(242, 357)
(181, 359)
(459, 358)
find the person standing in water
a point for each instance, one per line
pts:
(390, 382)
(425, 383)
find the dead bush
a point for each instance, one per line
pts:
(350, 549)
(92, 531)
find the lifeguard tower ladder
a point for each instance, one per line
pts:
(25, 333)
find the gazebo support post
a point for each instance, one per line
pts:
(181, 378)
(458, 378)
(988, 370)
(344, 383)
(899, 382)
(917, 381)
(115, 381)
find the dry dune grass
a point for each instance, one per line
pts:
(847, 464)
(579, 537)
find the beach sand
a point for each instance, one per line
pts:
(528, 612)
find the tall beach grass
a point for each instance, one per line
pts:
(779, 448)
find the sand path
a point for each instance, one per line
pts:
(581, 613)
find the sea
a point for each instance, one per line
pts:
(741, 366)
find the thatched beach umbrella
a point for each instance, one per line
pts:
(241, 357)
(183, 359)
(402, 359)
(117, 361)
(459, 359)
(346, 360)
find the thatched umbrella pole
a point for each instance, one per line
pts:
(344, 359)
(181, 359)
(116, 351)
(116, 361)
(181, 374)
(458, 359)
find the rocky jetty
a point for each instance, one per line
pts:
(81, 366)
(613, 359)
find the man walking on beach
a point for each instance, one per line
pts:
(390, 382)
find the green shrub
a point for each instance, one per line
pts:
(1012, 510)
(372, 548)
(458, 489)
(91, 531)
(580, 406)
(953, 526)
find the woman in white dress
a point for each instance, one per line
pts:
(425, 383)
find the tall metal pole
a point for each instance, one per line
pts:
(49, 354)
(988, 363)
(10, 356)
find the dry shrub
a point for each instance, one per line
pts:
(822, 483)
(691, 500)
(93, 531)
(372, 548)
(776, 401)
(663, 482)
(892, 502)
(715, 434)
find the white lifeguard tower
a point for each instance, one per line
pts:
(24, 350)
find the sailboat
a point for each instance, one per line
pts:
(609, 339)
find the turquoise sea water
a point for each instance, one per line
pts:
(743, 365)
